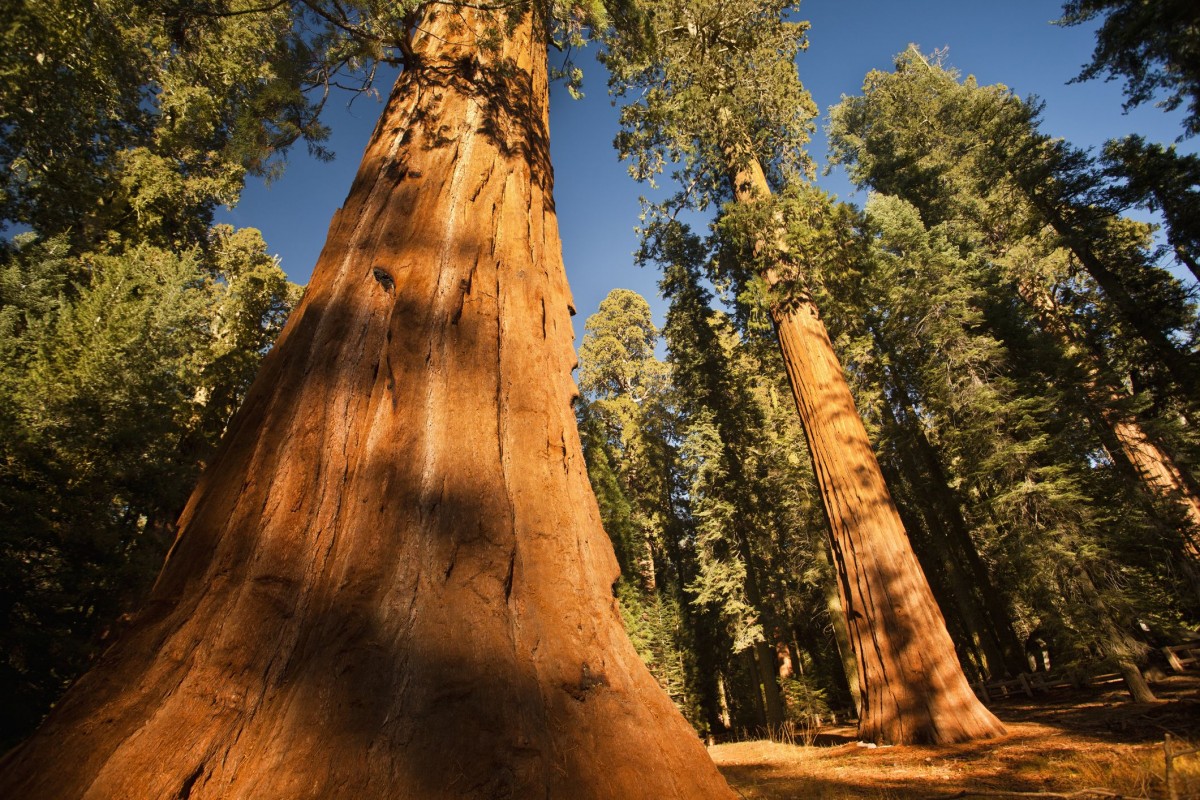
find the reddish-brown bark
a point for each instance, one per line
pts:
(1157, 470)
(392, 581)
(1152, 464)
(912, 687)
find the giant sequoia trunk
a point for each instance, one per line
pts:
(912, 686)
(392, 580)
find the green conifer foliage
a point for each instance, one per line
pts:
(120, 373)
(1162, 180)
(958, 151)
(953, 367)
(1153, 46)
(718, 95)
(750, 484)
(125, 116)
(628, 425)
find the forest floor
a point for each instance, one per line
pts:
(1058, 745)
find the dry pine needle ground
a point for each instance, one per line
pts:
(1056, 746)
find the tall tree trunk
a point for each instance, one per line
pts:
(1155, 468)
(912, 686)
(984, 608)
(392, 581)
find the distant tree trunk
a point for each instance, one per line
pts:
(766, 664)
(912, 686)
(1153, 465)
(1135, 682)
(1158, 472)
(392, 581)
(1183, 367)
(837, 619)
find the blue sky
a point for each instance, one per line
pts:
(1010, 42)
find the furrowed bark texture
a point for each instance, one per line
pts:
(1158, 472)
(393, 582)
(911, 684)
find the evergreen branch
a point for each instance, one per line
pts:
(242, 12)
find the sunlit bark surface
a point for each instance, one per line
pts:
(392, 581)
(1159, 473)
(911, 686)
(910, 681)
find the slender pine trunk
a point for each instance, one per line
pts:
(1183, 367)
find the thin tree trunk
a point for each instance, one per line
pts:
(937, 564)
(837, 619)
(766, 663)
(913, 687)
(768, 677)
(1184, 256)
(392, 581)
(988, 611)
(1156, 469)
(942, 566)
(1182, 366)
(1135, 682)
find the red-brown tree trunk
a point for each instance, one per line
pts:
(912, 687)
(392, 581)
(1154, 466)
(1158, 472)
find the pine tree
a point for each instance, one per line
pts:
(121, 371)
(629, 430)
(1151, 45)
(1162, 180)
(1022, 194)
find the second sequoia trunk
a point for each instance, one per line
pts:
(911, 684)
(392, 580)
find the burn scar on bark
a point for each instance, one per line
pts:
(588, 681)
(465, 286)
(508, 578)
(384, 278)
(185, 791)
